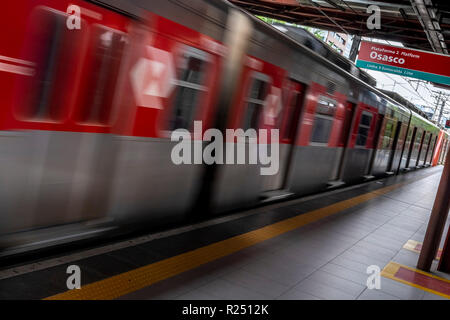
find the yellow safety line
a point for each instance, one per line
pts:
(412, 244)
(127, 282)
(391, 269)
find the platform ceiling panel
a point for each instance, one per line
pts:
(415, 23)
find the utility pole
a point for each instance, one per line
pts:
(354, 48)
(442, 109)
(437, 104)
(441, 98)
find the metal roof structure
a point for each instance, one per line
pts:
(420, 24)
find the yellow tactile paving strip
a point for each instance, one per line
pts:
(416, 246)
(127, 282)
(391, 271)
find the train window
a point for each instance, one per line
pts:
(54, 49)
(255, 101)
(190, 87)
(363, 129)
(389, 131)
(106, 52)
(366, 119)
(322, 129)
(323, 121)
(258, 89)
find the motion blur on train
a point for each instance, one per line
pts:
(89, 105)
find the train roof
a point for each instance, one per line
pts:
(306, 38)
(403, 101)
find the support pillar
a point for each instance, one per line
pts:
(437, 220)
(444, 262)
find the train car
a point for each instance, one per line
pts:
(90, 107)
(56, 148)
(422, 134)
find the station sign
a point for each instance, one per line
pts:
(418, 64)
(447, 123)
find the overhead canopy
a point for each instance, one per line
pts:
(420, 24)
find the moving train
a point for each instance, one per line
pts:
(92, 90)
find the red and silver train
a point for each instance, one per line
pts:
(91, 91)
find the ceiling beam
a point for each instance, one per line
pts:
(336, 15)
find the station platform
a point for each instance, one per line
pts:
(317, 247)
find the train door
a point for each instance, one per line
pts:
(344, 138)
(385, 149)
(411, 148)
(425, 149)
(406, 148)
(292, 105)
(397, 146)
(376, 140)
(421, 148)
(289, 127)
(432, 148)
(415, 147)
